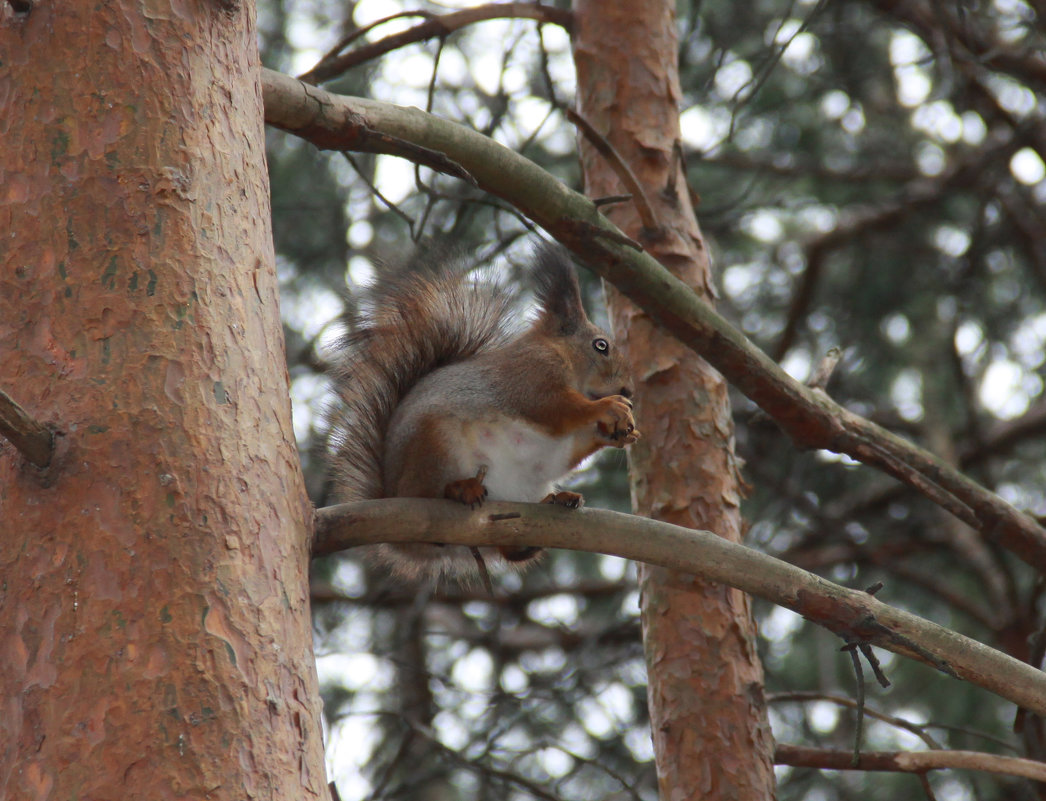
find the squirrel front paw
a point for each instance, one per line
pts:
(469, 491)
(616, 422)
(572, 500)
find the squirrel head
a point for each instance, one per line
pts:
(598, 367)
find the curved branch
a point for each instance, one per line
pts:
(849, 613)
(850, 703)
(908, 761)
(333, 64)
(807, 415)
(32, 439)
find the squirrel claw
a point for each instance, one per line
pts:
(625, 437)
(469, 491)
(617, 425)
(572, 500)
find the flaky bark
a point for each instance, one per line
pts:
(155, 639)
(708, 716)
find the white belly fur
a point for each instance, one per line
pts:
(522, 461)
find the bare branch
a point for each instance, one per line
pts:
(335, 62)
(849, 613)
(915, 728)
(909, 761)
(617, 164)
(33, 440)
(823, 373)
(810, 418)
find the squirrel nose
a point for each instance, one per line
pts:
(626, 391)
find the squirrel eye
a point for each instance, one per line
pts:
(601, 345)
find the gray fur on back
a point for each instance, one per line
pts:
(407, 325)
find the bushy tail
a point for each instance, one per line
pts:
(406, 326)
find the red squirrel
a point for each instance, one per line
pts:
(439, 399)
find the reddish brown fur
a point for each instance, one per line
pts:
(433, 388)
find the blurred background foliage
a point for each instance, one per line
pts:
(871, 178)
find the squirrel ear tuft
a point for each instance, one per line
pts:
(557, 289)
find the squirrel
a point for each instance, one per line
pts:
(437, 397)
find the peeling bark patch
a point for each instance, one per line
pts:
(220, 394)
(216, 624)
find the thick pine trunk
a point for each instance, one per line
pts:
(155, 639)
(708, 716)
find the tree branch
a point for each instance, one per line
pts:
(334, 64)
(33, 440)
(849, 613)
(908, 761)
(916, 729)
(808, 416)
(980, 47)
(618, 165)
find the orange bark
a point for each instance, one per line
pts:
(155, 639)
(708, 716)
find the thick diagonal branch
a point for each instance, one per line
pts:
(848, 613)
(808, 416)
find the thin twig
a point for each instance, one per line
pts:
(506, 776)
(866, 649)
(859, 725)
(762, 75)
(622, 170)
(352, 36)
(587, 230)
(377, 192)
(924, 780)
(32, 439)
(917, 729)
(422, 155)
(434, 26)
(870, 452)
(484, 574)
(610, 200)
(823, 373)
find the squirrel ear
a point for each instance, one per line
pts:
(557, 289)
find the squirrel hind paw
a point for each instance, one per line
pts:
(572, 500)
(520, 553)
(469, 491)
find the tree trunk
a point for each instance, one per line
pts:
(155, 639)
(708, 716)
